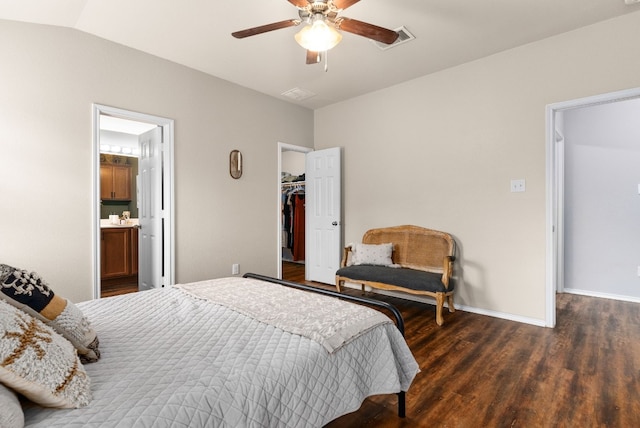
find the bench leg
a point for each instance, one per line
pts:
(338, 283)
(439, 306)
(452, 308)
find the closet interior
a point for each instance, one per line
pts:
(293, 207)
(293, 201)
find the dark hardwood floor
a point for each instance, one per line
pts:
(479, 371)
(114, 287)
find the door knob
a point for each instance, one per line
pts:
(335, 223)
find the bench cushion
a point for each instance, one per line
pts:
(401, 277)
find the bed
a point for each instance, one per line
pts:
(235, 352)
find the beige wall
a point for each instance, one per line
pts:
(50, 78)
(440, 151)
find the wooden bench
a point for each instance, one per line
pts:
(422, 264)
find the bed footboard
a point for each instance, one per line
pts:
(358, 299)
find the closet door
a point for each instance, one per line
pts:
(323, 215)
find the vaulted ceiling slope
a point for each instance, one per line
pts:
(197, 34)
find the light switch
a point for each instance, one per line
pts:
(518, 185)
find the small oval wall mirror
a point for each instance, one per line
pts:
(235, 164)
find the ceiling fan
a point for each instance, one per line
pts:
(320, 34)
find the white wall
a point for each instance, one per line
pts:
(113, 138)
(50, 78)
(602, 200)
(293, 162)
(440, 151)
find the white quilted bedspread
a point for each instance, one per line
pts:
(172, 360)
(330, 322)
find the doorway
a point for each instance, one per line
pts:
(291, 185)
(323, 212)
(555, 212)
(117, 138)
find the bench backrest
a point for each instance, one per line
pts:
(414, 247)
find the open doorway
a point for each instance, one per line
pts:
(323, 212)
(133, 201)
(557, 197)
(291, 219)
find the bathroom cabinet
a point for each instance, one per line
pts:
(119, 252)
(115, 182)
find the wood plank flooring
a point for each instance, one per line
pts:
(479, 371)
(116, 287)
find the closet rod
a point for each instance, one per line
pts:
(293, 183)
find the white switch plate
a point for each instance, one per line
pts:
(518, 185)
(235, 269)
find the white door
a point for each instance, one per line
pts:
(150, 210)
(323, 212)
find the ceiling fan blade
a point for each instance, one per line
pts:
(364, 29)
(265, 28)
(313, 57)
(299, 3)
(343, 4)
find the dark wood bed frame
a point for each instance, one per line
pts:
(357, 299)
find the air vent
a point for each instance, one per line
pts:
(298, 94)
(404, 36)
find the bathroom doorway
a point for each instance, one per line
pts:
(133, 200)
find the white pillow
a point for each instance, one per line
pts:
(39, 363)
(372, 254)
(11, 414)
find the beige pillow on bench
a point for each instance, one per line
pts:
(372, 254)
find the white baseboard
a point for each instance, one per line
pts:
(503, 315)
(602, 295)
(425, 299)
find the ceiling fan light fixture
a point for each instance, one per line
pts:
(318, 37)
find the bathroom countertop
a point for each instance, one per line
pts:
(104, 224)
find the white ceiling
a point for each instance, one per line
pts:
(125, 126)
(197, 33)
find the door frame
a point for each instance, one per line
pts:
(554, 211)
(283, 147)
(168, 249)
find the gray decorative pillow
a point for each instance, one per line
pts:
(29, 292)
(372, 254)
(11, 414)
(39, 363)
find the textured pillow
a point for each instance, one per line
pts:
(30, 293)
(11, 415)
(39, 363)
(372, 254)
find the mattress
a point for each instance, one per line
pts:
(173, 359)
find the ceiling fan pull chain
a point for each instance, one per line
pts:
(326, 61)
